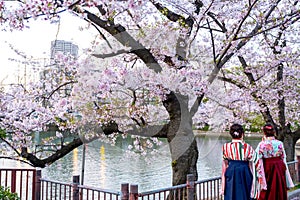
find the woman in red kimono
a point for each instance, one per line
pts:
(241, 168)
(277, 175)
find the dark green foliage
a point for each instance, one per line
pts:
(5, 194)
(2, 133)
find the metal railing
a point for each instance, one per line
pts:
(73, 191)
(29, 185)
(208, 189)
(55, 190)
(294, 169)
(87, 193)
(20, 181)
(175, 192)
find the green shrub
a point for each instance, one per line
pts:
(6, 194)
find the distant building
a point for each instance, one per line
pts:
(67, 48)
(64, 47)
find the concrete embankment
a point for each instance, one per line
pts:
(224, 134)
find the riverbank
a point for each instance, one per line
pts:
(224, 134)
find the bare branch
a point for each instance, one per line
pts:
(16, 159)
(213, 43)
(233, 82)
(122, 51)
(11, 146)
(173, 16)
(242, 43)
(221, 25)
(59, 87)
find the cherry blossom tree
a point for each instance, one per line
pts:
(148, 71)
(269, 86)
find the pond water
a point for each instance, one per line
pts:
(109, 166)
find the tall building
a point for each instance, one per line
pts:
(63, 46)
(67, 48)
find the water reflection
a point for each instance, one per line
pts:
(75, 161)
(102, 164)
(210, 153)
(109, 166)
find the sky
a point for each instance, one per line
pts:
(36, 42)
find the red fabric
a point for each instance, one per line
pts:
(275, 177)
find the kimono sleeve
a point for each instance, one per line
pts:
(224, 167)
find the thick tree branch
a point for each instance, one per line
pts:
(159, 131)
(233, 82)
(66, 148)
(248, 74)
(120, 33)
(196, 104)
(54, 157)
(265, 111)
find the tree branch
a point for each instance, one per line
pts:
(120, 33)
(262, 103)
(236, 32)
(11, 146)
(196, 104)
(159, 131)
(248, 74)
(212, 43)
(58, 88)
(16, 159)
(222, 26)
(36, 162)
(181, 45)
(122, 51)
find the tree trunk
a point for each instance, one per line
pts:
(289, 147)
(185, 164)
(182, 143)
(289, 140)
(184, 153)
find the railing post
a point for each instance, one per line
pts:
(37, 180)
(298, 168)
(13, 181)
(190, 186)
(134, 194)
(125, 191)
(75, 188)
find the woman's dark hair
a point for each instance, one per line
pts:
(236, 131)
(268, 130)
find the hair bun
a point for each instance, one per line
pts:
(236, 133)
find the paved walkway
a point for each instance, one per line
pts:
(294, 195)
